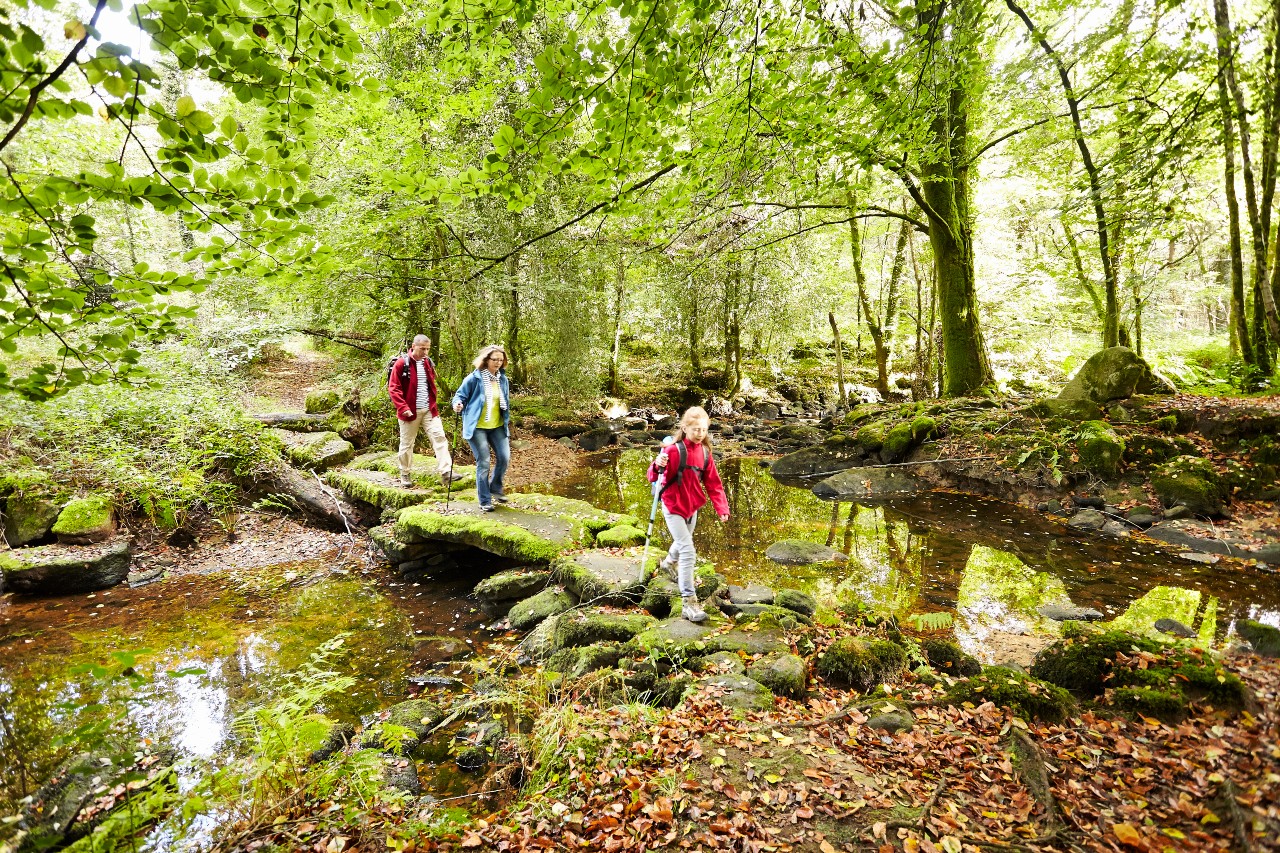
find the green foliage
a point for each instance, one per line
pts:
(164, 450)
(239, 187)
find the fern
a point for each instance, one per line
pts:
(935, 621)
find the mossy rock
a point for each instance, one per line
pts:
(762, 639)
(679, 638)
(658, 595)
(621, 536)
(897, 443)
(1150, 450)
(862, 663)
(525, 536)
(1082, 662)
(1164, 705)
(540, 643)
(397, 551)
(588, 627)
(600, 577)
(86, 519)
(65, 569)
(533, 610)
(1190, 481)
(1166, 424)
(770, 616)
(946, 656)
(1028, 697)
(592, 518)
(794, 599)
(1100, 448)
(1264, 638)
(722, 663)
(375, 488)
(417, 716)
(29, 517)
(577, 661)
(321, 401)
(512, 585)
(736, 691)
(423, 472)
(871, 437)
(21, 477)
(784, 674)
(1114, 374)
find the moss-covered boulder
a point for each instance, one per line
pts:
(423, 472)
(517, 534)
(396, 550)
(1113, 374)
(315, 451)
(862, 663)
(869, 483)
(28, 518)
(871, 437)
(402, 726)
(321, 401)
(760, 638)
(679, 638)
(1100, 448)
(85, 520)
(946, 656)
(659, 593)
(621, 536)
(769, 615)
(590, 626)
(784, 674)
(721, 663)
(1028, 697)
(531, 611)
(515, 584)
(382, 490)
(64, 569)
(600, 577)
(1190, 481)
(1264, 638)
(799, 552)
(577, 661)
(736, 691)
(1132, 669)
(794, 599)
(540, 643)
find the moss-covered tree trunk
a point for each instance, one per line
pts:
(515, 353)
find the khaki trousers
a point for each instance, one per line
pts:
(439, 444)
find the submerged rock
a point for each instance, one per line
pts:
(1174, 628)
(1068, 612)
(799, 552)
(868, 484)
(63, 569)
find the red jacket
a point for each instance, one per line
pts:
(406, 398)
(687, 497)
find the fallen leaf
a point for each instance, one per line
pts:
(1127, 834)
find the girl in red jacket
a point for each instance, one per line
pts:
(681, 488)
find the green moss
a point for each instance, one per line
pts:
(86, 516)
(946, 656)
(898, 441)
(577, 661)
(487, 534)
(592, 518)
(1192, 482)
(620, 536)
(587, 627)
(21, 477)
(1028, 697)
(794, 599)
(371, 491)
(533, 610)
(1264, 638)
(658, 597)
(1168, 423)
(505, 586)
(923, 428)
(321, 401)
(862, 663)
(1168, 706)
(872, 436)
(1081, 663)
(784, 674)
(1100, 447)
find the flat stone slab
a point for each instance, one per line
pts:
(601, 577)
(423, 471)
(679, 633)
(751, 594)
(798, 552)
(510, 532)
(315, 451)
(384, 491)
(868, 484)
(1067, 612)
(64, 569)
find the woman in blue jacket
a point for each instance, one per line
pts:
(484, 399)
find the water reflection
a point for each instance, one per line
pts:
(991, 565)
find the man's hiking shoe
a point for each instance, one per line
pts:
(692, 611)
(500, 498)
(406, 482)
(486, 507)
(447, 478)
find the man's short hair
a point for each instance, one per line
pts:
(420, 339)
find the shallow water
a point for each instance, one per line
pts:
(988, 565)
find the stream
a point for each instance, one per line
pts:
(990, 566)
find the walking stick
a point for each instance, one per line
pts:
(653, 508)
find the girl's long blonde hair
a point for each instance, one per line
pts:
(691, 414)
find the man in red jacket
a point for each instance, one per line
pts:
(412, 386)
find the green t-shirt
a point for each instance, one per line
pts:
(491, 415)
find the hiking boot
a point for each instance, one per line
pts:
(446, 479)
(500, 498)
(486, 507)
(668, 568)
(406, 481)
(691, 611)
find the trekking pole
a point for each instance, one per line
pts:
(653, 508)
(457, 433)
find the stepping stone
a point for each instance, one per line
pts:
(736, 691)
(751, 594)
(315, 451)
(868, 484)
(798, 552)
(601, 577)
(63, 569)
(383, 489)
(678, 633)
(1068, 612)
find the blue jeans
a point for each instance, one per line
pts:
(489, 482)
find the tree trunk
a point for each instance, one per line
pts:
(1239, 318)
(1099, 310)
(695, 358)
(515, 354)
(1111, 321)
(835, 331)
(619, 282)
(869, 315)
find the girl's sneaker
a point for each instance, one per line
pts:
(692, 611)
(668, 567)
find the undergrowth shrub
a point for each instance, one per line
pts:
(166, 450)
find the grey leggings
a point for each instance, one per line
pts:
(681, 550)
